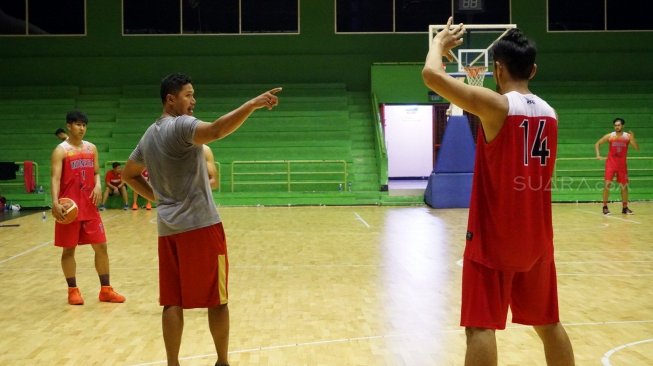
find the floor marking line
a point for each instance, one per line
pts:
(25, 252)
(605, 360)
(359, 218)
(382, 336)
(609, 216)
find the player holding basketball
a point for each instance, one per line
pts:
(508, 260)
(616, 163)
(75, 174)
(193, 264)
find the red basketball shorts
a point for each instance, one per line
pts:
(79, 232)
(193, 268)
(620, 171)
(487, 293)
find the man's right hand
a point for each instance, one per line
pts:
(268, 99)
(58, 211)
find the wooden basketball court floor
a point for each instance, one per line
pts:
(325, 286)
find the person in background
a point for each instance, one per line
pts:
(148, 205)
(114, 186)
(75, 174)
(61, 134)
(616, 163)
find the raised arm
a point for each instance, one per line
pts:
(230, 122)
(489, 106)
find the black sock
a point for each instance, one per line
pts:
(72, 281)
(104, 280)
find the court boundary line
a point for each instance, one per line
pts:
(605, 360)
(3, 261)
(359, 218)
(608, 216)
(25, 252)
(382, 336)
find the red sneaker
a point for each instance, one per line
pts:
(74, 296)
(148, 206)
(108, 295)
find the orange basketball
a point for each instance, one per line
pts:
(71, 210)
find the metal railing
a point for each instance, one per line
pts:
(288, 173)
(108, 166)
(597, 173)
(379, 139)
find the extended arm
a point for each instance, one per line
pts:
(230, 122)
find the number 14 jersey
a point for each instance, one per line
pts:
(509, 226)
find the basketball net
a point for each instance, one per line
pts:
(475, 75)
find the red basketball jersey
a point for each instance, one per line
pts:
(113, 178)
(618, 152)
(509, 225)
(78, 178)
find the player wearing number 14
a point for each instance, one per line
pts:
(508, 260)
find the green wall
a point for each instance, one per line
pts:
(105, 58)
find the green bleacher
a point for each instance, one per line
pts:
(324, 130)
(586, 111)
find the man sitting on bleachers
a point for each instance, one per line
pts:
(115, 185)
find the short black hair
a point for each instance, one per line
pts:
(74, 116)
(515, 52)
(59, 130)
(172, 84)
(115, 164)
(623, 121)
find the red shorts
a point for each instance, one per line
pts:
(79, 232)
(487, 293)
(621, 173)
(193, 268)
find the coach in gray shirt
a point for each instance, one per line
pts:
(193, 263)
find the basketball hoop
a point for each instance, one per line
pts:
(475, 75)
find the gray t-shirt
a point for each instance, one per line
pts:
(178, 175)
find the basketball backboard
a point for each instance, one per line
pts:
(478, 39)
(473, 57)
